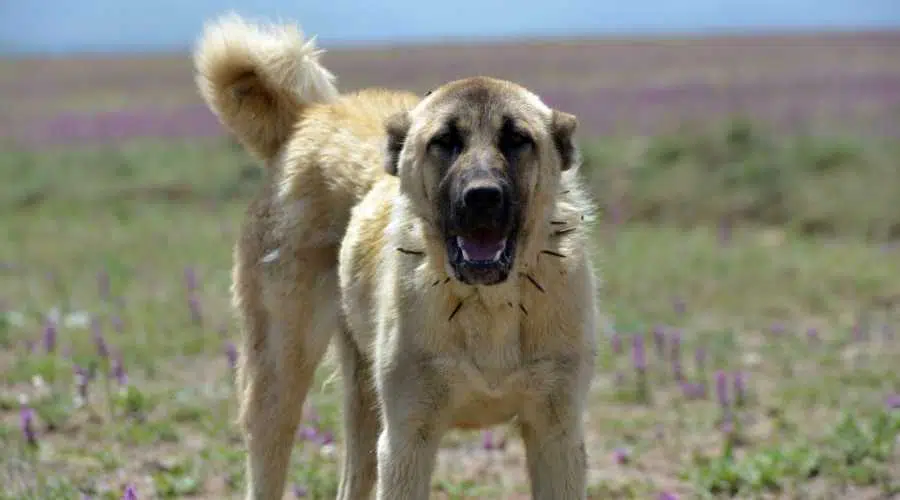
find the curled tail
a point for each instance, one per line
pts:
(258, 79)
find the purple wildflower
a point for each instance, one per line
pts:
(190, 279)
(675, 353)
(659, 340)
(693, 391)
(638, 355)
(722, 388)
(489, 441)
(679, 306)
(893, 402)
(130, 493)
(677, 371)
(28, 430)
(82, 380)
(117, 324)
(859, 332)
(231, 354)
(616, 341)
(665, 495)
(725, 231)
(50, 336)
(99, 340)
(740, 388)
(777, 329)
(300, 491)
(621, 456)
(326, 438)
(118, 371)
(727, 423)
(675, 344)
(812, 334)
(194, 307)
(308, 433)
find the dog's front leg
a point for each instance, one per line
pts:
(414, 401)
(553, 433)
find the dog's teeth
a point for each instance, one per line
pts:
(499, 252)
(462, 248)
(495, 258)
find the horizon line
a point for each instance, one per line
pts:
(449, 41)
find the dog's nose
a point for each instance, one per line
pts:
(483, 197)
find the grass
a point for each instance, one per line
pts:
(116, 328)
(741, 172)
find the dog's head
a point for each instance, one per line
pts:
(479, 158)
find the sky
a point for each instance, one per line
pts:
(72, 26)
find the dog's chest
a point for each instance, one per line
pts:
(493, 364)
(486, 371)
(489, 341)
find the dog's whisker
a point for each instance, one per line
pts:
(555, 254)
(447, 280)
(534, 282)
(410, 252)
(524, 311)
(567, 191)
(558, 222)
(456, 310)
(436, 283)
(565, 231)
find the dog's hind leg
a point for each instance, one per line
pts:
(288, 323)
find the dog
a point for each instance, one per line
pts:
(440, 241)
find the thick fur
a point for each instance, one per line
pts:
(344, 242)
(258, 80)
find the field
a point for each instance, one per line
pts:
(749, 246)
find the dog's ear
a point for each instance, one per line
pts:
(562, 129)
(397, 127)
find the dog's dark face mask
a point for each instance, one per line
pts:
(481, 200)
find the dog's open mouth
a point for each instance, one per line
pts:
(481, 251)
(481, 257)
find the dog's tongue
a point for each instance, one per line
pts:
(475, 249)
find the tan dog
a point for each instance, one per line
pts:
(442, 240)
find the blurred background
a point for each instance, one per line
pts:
(744, 155)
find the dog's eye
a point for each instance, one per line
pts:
(449, 143)
(515, 141)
